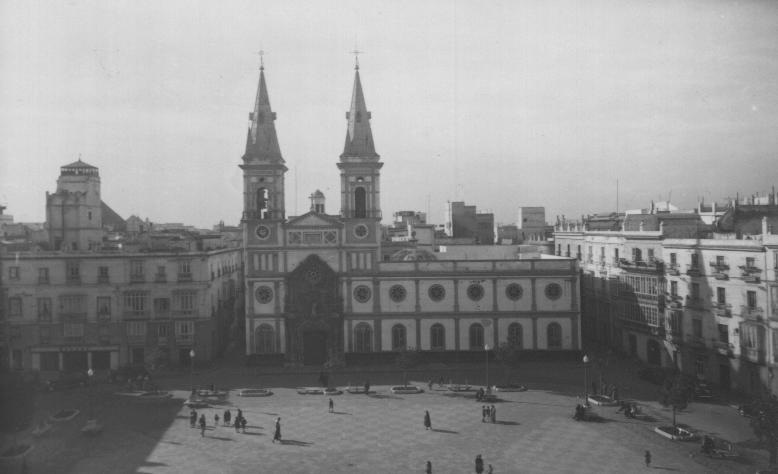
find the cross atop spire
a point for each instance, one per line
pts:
(261, 59)
(356, 54)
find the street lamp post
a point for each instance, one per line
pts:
(191, 369)
(486, 350)
(586, 379)
(90, 373)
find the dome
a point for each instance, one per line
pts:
(411, 255)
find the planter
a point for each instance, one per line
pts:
(333, 391)
(455, 387)
(675, 434)
(406, 389)
(510, 388)
(92, 427)
(154, 396)
(197, 403)
(355, 390)
(310, 390)
(602, 401)
(65, 415)
(254, 392)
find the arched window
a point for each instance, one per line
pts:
(398, 337)
(476, 336)
(264, 339)
(554, 335)
(363, 338)
(438, 337)
(360, 202)
(262, 203)
(515, 335)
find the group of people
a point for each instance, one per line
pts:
(479, 466)
(239, 422)
(580, 413)
(630, 409)
(481, 394)
(488, 413)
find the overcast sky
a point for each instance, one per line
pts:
(499, 104)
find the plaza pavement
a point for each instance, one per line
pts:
(381, 433)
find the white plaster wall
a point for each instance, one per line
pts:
(386, 332)
(407, 305)
(426, 324)
(356, 306)
(567, 335)
(526, 326)
(484, 304)
(429, 305)
(522, 304)
(564, 303)
(464, 331)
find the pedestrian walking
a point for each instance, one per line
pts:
(277, 433)
(647, 457)
(367, 387)
(202, 425)
(428, 468)
(192, 418)
(479, 464)
(243, 423)
(237, 423)
(240, 414)
(332, 406)
(493, 414)
(490, 470)
(215, 419)
(227, 416)
(429, 385)
(427, 420)
(483, 413)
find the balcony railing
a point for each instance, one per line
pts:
(749, 269)
(137, 278)
(754, 313)
(719, 266)
(723, 348)
(103, 280)
(43, 280)
(184, 338)
(697, 303)
(722, 309)
(693, 270)
(184, 277)
(73, 280)
(136, 314)
(72, 316)
(753, 354)
(160, 278)
(673, 269)
(651, 265)
(750, 277)
(162, 341)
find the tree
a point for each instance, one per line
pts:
(764, 423)
(407, 359)
(677, 391)
(508, 354)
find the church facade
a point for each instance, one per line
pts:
(317, 290)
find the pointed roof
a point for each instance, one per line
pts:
(359, 136)
(262, 141)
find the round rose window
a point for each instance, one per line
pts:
(264, 294)
(436, 293)
(514, 291)
(553, 291)
(475, 292)
(362, 294)
(397, 293)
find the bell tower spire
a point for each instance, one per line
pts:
(263, 167)
(360, 172)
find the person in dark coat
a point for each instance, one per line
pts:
(483, 413)
(237, 423)
(277, 434)
(215, 419)
(428, 468)
(493, 413)
(647, 457)
(202, 425)
(479, 464)
(427, 420)
(243, 423)
(367, 387)
(192, 418)
(332, 406)
(227, 416)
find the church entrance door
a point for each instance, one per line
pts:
(314, 347)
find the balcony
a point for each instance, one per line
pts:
(162, 341)
(753, 354)
(137, 278)
(750, 278)
(184, 339)
(651, 265)
(184, 277)
(672, 269)
(136, 314)
(695, 341)
(673, 301)
(43, 280)
(719, 266)
(752, 313)
(103, 280)
(160, 278)
(72, 316)
(693, 270)
(722, 309)
(73, 280)
(695, 303)
(723, 348)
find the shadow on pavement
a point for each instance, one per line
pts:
(445, 431)
(510, 423)
(341, 413)
(293, 442)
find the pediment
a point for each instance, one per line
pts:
(312, 219)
